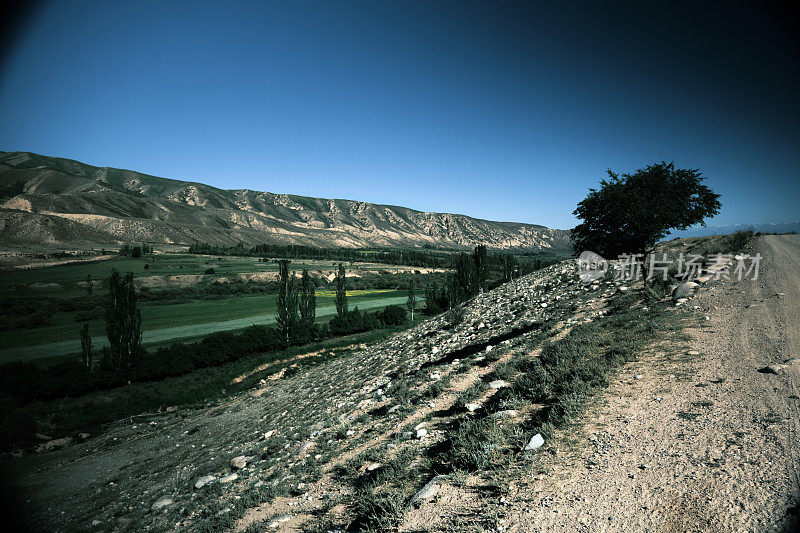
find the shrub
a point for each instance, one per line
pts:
(474, 445)
(35, 320)
(376, 512)
(353, 322)
(393, 315)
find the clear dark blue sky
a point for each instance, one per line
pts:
(498, 110)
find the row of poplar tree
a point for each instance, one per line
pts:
(468, 279)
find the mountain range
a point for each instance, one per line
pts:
(767, 227)
(61, 201)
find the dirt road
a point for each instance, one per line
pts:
(691, 441)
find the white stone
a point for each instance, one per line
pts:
(278, 520)
(162, 502)
(535, 442)
(203, 481)
(426, 493)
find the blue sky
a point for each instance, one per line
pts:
(499, 110)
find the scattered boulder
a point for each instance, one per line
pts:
(305, 447)
(684, 290)
(229, 478)
(422, 432)
(472, 407)
(278, 520)
(203, 481)
(237, 463)
(54, 444)
(426, 493)
(498, 384)
(507, 413)
(164, 501)
(772, 369)
(536, 442)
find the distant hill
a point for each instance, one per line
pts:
(54, 200)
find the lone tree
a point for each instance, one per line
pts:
(308, 301)
(341, 292)
(123, 322)
(630, 213)
(286, 316)
(412, 298)
(86, 346)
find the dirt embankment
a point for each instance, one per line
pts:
(698, 442)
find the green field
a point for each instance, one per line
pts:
(159, 316)
(186, 312)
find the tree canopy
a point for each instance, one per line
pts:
(630, 213)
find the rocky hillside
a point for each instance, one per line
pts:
(52, 200)
(274, 457)
(479, 419)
